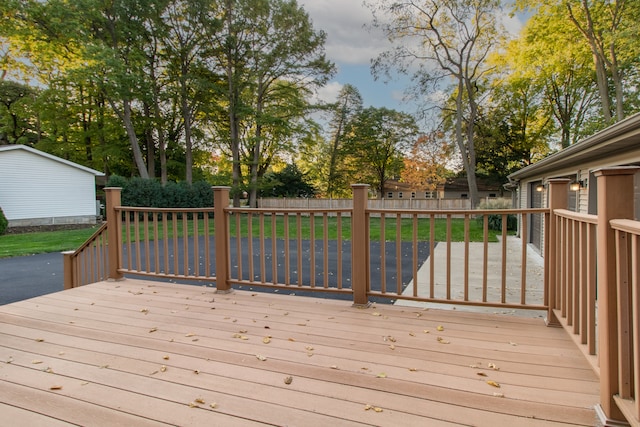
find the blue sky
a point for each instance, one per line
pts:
(352, 46)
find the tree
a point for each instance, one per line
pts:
(443, 39)
(424, 167)
(16, 113)
(347, 106)
(289, 182)
(375, 143)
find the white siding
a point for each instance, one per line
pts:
(34, 186)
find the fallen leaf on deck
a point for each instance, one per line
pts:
(260, 357)
(443, 341)
(493, 383)
(39, 339)
(493, 366)
(309, 348)
(292, 339)
(163, 368)
(266, 340)
(288, 380)
(144, 310)
(426, 331)
(190, 334)
(55, 387)
(440, 328)
(200, 401)
(498, 395)
(213, 405)
(36, 362)
(381, 375)
(375, 313)
(165, 357)
(153, 330)
(482, 374)
(412, 369)
(392, 347)
(334, 366)
(512, 343)
(411, 334)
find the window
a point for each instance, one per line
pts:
(413, 194)
(492, 195)
(428, 195)
(390, 195)
(400, 195)
(464, 196)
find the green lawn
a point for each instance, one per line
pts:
(58, 241)
(41, 242)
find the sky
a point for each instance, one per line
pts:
(351, 45)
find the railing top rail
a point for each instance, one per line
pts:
(626, 225)
(576, 216)
(458, 211)
(160, 210)
(90, 239)
(288, 210)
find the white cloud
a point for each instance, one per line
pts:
(329, 92)
(345, 21)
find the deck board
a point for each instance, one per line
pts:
(105, 344)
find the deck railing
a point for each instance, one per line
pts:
(590, 262)
(89, 263)
(593, 287)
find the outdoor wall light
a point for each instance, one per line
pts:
(577, 185)
(540, 188)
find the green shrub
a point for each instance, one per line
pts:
(495, 221)
(4, 223)
(150, 193)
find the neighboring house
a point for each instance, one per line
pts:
(37, 188)
(453, 188)
(618, 145)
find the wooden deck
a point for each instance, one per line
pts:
(147, 353)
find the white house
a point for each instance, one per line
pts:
(617, 145)
(38, 188)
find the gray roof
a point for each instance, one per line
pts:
(50, 157)
(618, 138)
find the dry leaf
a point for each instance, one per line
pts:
(334, 366)
(493, 384)
(163, 368)
(412, 369)
(392, 347)
(482, 374)
(288, 380)
(512, 343)
(443, 341)
(165, 357)
(200, 401)
(260, 357)
(144, 310)
(266, 340)
(48, 370)
(375, 313)
(39, 339)
(36, 362)
(153, 330)
(426, 331)
(213, 405)
(493, 366)
(309, 348)
(411, 334)
(190, 334)
(498, 395)
(440, 328)
(292, 339)
(381, 375)
(376, 409)
(55, 387)
(193, 405)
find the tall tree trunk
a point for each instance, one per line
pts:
(236, 170)
(125, 116)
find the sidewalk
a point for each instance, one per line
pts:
(534, 277)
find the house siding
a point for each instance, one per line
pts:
(35, 187)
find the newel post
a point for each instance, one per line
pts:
(359, 245)
(615, 201)
(221, 236)
(558, 199)
(114, 235)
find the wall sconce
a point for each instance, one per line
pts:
(540, 188)
(577, 185)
